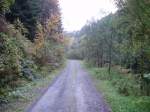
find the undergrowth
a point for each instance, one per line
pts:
(22, 97)
(121, 91)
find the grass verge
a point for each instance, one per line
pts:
(120, 91)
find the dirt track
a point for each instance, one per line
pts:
(73, 91)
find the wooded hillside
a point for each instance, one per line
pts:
(31, 41)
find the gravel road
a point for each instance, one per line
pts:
(72, 91)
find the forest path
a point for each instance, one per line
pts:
(73, 91)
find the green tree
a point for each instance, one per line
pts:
(4, 5)
(27, 11)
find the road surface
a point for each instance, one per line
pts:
(73, 91)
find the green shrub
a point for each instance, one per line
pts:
(124, 83)
(5, 4)
(9, 59)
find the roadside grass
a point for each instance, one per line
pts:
(24, 96)
(121, 91)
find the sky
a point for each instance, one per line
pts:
(76, 13)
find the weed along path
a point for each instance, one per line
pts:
(73, 91)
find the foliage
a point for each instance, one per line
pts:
(9, 59)
(31, 42)
(119, 81)
(74, 50)
(4, 5)
(119, 101)
(121, 39)
(28, 12)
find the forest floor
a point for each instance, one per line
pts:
(72, 91)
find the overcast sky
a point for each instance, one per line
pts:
(76, 13)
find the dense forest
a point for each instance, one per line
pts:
(119, 39)
(115, 50)
(31, 41)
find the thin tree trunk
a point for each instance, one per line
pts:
(110, 53)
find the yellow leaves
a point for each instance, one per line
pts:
(53, 22)
(39, 41)
(68, 41)
(52, 28)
